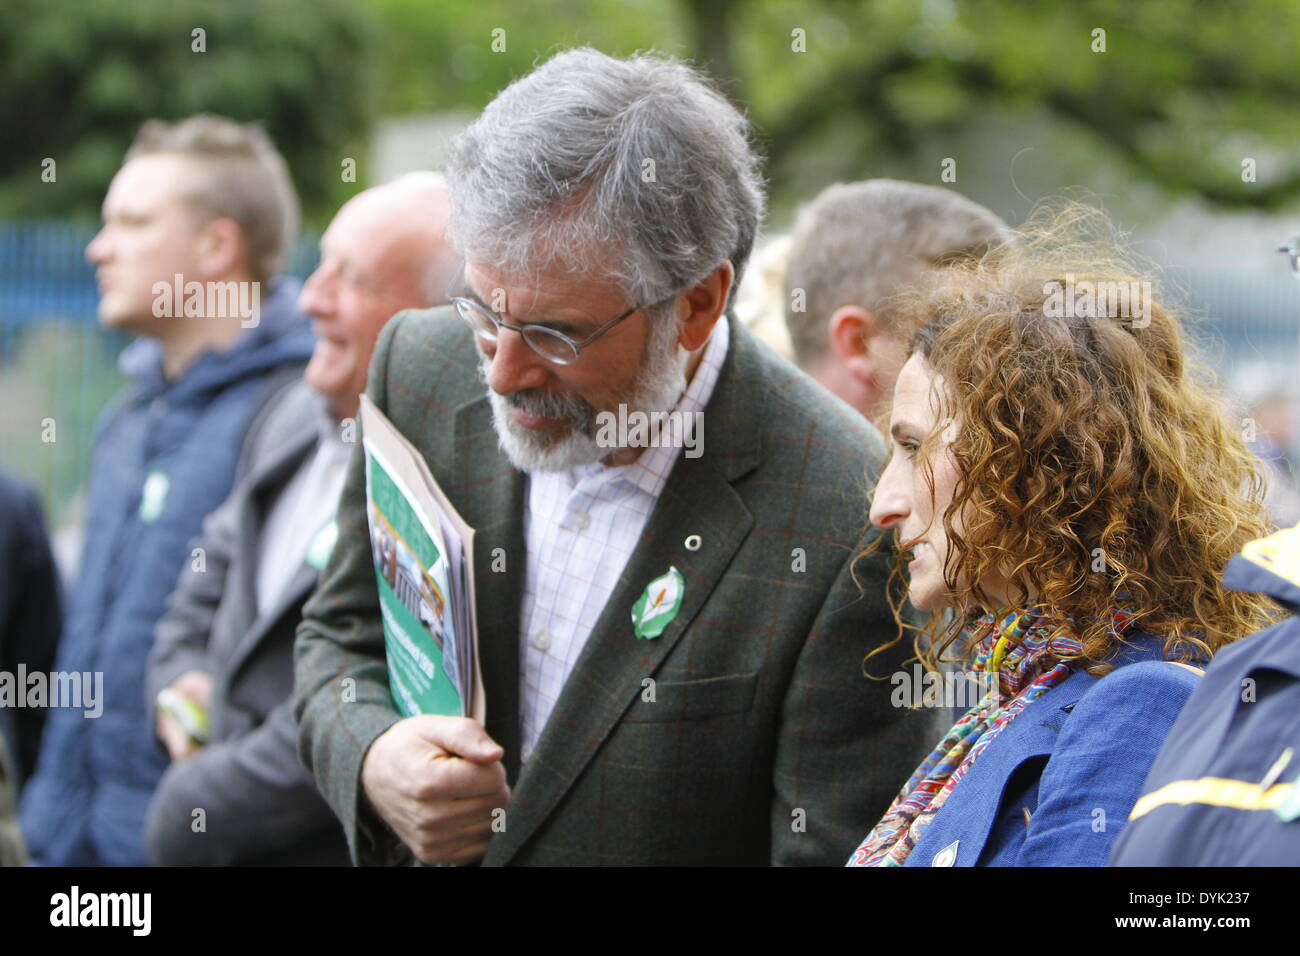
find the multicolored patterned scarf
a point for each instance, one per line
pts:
(1024, 648)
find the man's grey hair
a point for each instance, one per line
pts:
(860, 243)
(635, 167)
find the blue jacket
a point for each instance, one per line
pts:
(165, 456)
(1075, 758)
(1203, 803)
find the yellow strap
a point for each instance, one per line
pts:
(1000, 648)
(995, 659)
(1214, 792)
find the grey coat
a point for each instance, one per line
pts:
(260, 806)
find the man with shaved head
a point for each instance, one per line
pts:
(221, 673)
(382, 253)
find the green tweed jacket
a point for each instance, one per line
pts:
(764, 742)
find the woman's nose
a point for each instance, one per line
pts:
(889, 504)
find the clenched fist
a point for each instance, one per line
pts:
(436, 781)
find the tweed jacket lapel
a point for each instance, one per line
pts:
(607, 677)
(489, 492)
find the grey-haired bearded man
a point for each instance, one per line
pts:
(605, 209)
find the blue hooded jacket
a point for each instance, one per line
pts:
(165, 456)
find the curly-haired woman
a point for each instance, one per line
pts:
(1066, 491)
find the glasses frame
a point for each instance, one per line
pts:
(525, 331)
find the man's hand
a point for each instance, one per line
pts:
(197, 686)
(436, 781)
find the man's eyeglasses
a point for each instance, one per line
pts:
(1292, 250)
(550, 344)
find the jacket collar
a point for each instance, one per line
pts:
(265, 485)
(1271, 566)
(281, 335)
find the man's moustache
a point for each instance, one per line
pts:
(564, 408)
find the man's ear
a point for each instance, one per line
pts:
(221, 248)
(705, 302)
(851, 330)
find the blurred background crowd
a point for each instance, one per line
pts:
(1179, 119)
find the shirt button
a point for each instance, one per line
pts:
(582, 521)
(542, 641)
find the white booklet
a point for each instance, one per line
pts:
(423, 554)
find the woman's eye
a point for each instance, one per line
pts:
(907, 449)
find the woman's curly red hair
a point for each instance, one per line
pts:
(1098, 466)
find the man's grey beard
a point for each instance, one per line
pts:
(658, 386)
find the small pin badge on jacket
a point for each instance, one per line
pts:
(322, 545)
(658, 604)
(153, 497)
(947, 856)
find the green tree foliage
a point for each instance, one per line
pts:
(1182, 93)
(448, 55)
(80, 78)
